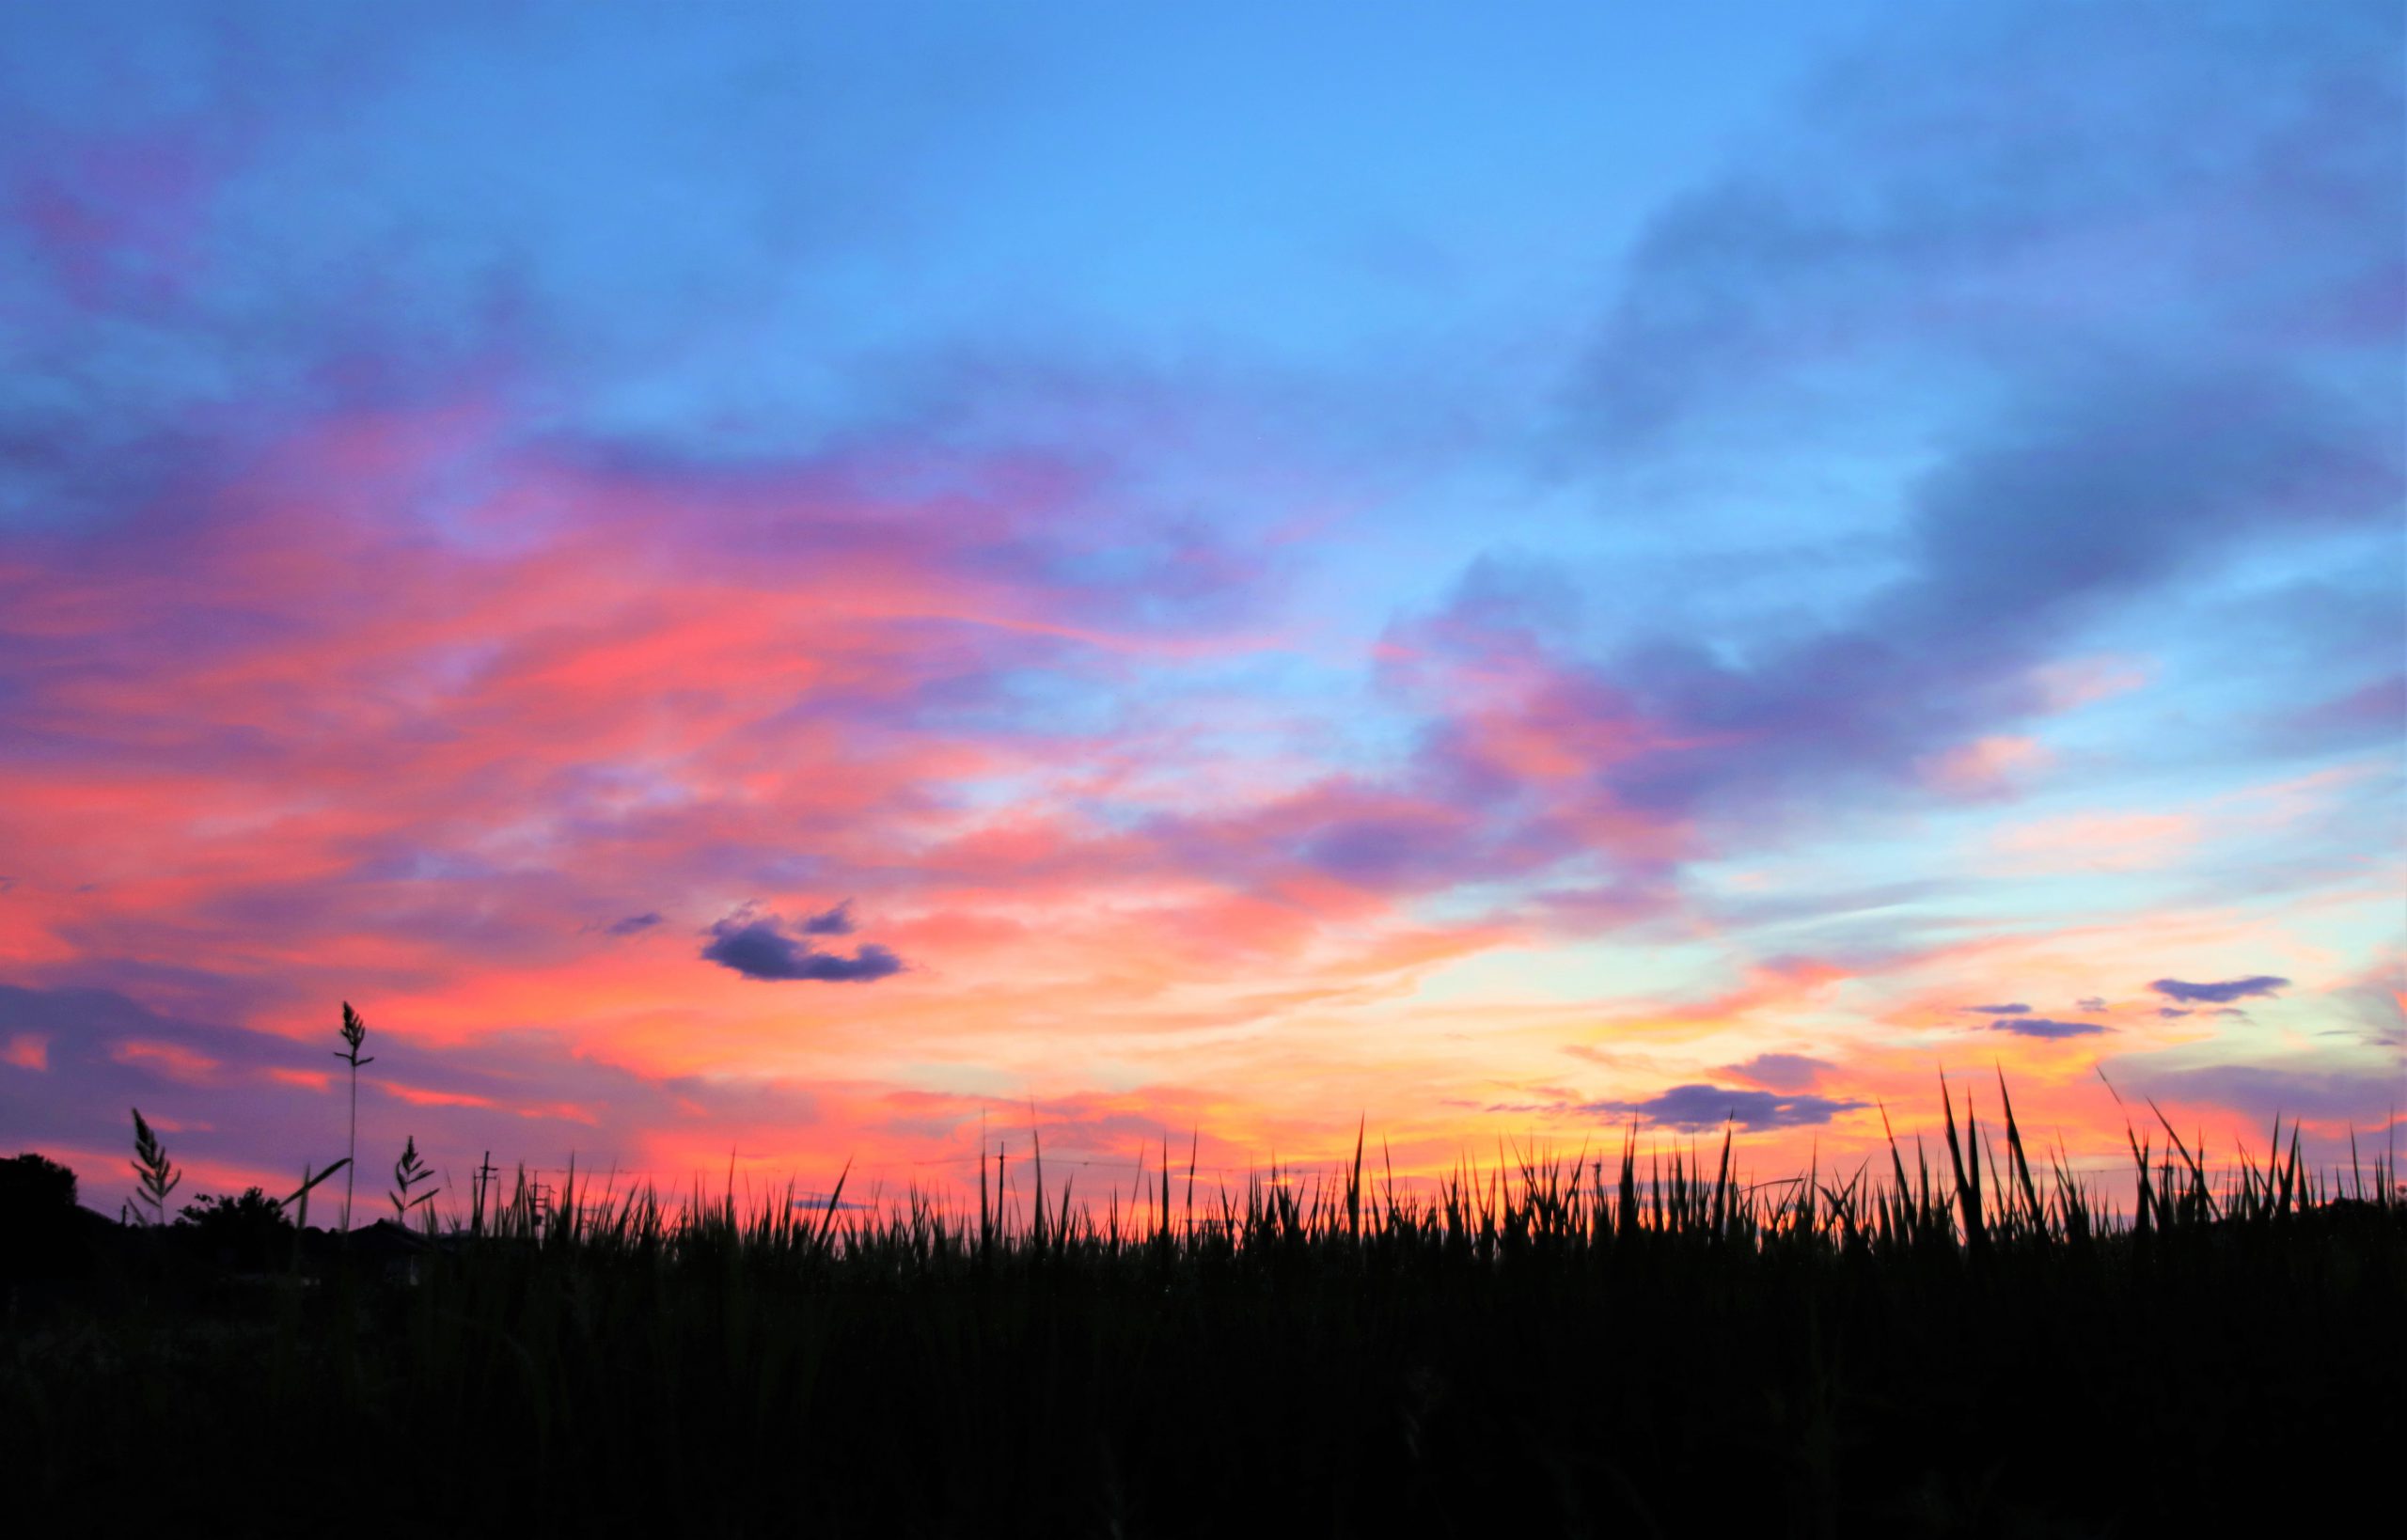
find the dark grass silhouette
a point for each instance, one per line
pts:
(1639, 1346)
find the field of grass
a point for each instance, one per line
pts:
(1634, 1345)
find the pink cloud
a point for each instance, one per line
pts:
(1987, 767)
(169, 1059)
(2099, 842)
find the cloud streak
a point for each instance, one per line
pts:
(1706, 1105)
(2222, 993)
(2042, 1027)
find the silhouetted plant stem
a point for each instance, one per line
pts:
(354, 1032)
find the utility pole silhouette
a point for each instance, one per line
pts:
(484, 1175)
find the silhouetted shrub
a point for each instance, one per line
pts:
(249, 1232)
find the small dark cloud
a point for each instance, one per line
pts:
(2222, 993)
(2171, 1012)
(633, 924)
(756, 945)
(835, 922)
(1709, 1106)
(1780, 1070)
(2042, 1027)
(2017, 1008)
(2090, 1002)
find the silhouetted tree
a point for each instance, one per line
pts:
(38, 1233)
(32, 1186)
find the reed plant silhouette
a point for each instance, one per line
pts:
(355, 1033)
(156, 1173)
(408, 1173)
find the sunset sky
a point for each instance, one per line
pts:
(794, 582)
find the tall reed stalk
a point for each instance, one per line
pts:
(355, 1033)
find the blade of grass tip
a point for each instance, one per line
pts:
(1722, 1179)
(835, 1197)
(1626, 1221)
(2145, 1198)
(1974, 1146)
(1036, 1142)
(2021, 1162)
(1897, 1161)
(1967, 1198)
(2197, 1173)
(2388, 1177)
(1354, 1182)
(1655, 1186)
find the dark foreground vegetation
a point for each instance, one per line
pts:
(1626, 1346)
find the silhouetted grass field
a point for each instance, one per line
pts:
(1634, 1345)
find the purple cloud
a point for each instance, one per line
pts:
(1780, 1070)
(835, 922)
(2017, 1008)
(2369, 1097)
(634, 924)
(2042, 1027)
(2222, 993)
(1707, 1106)
(754, 945)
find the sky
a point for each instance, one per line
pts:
(762, 586)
